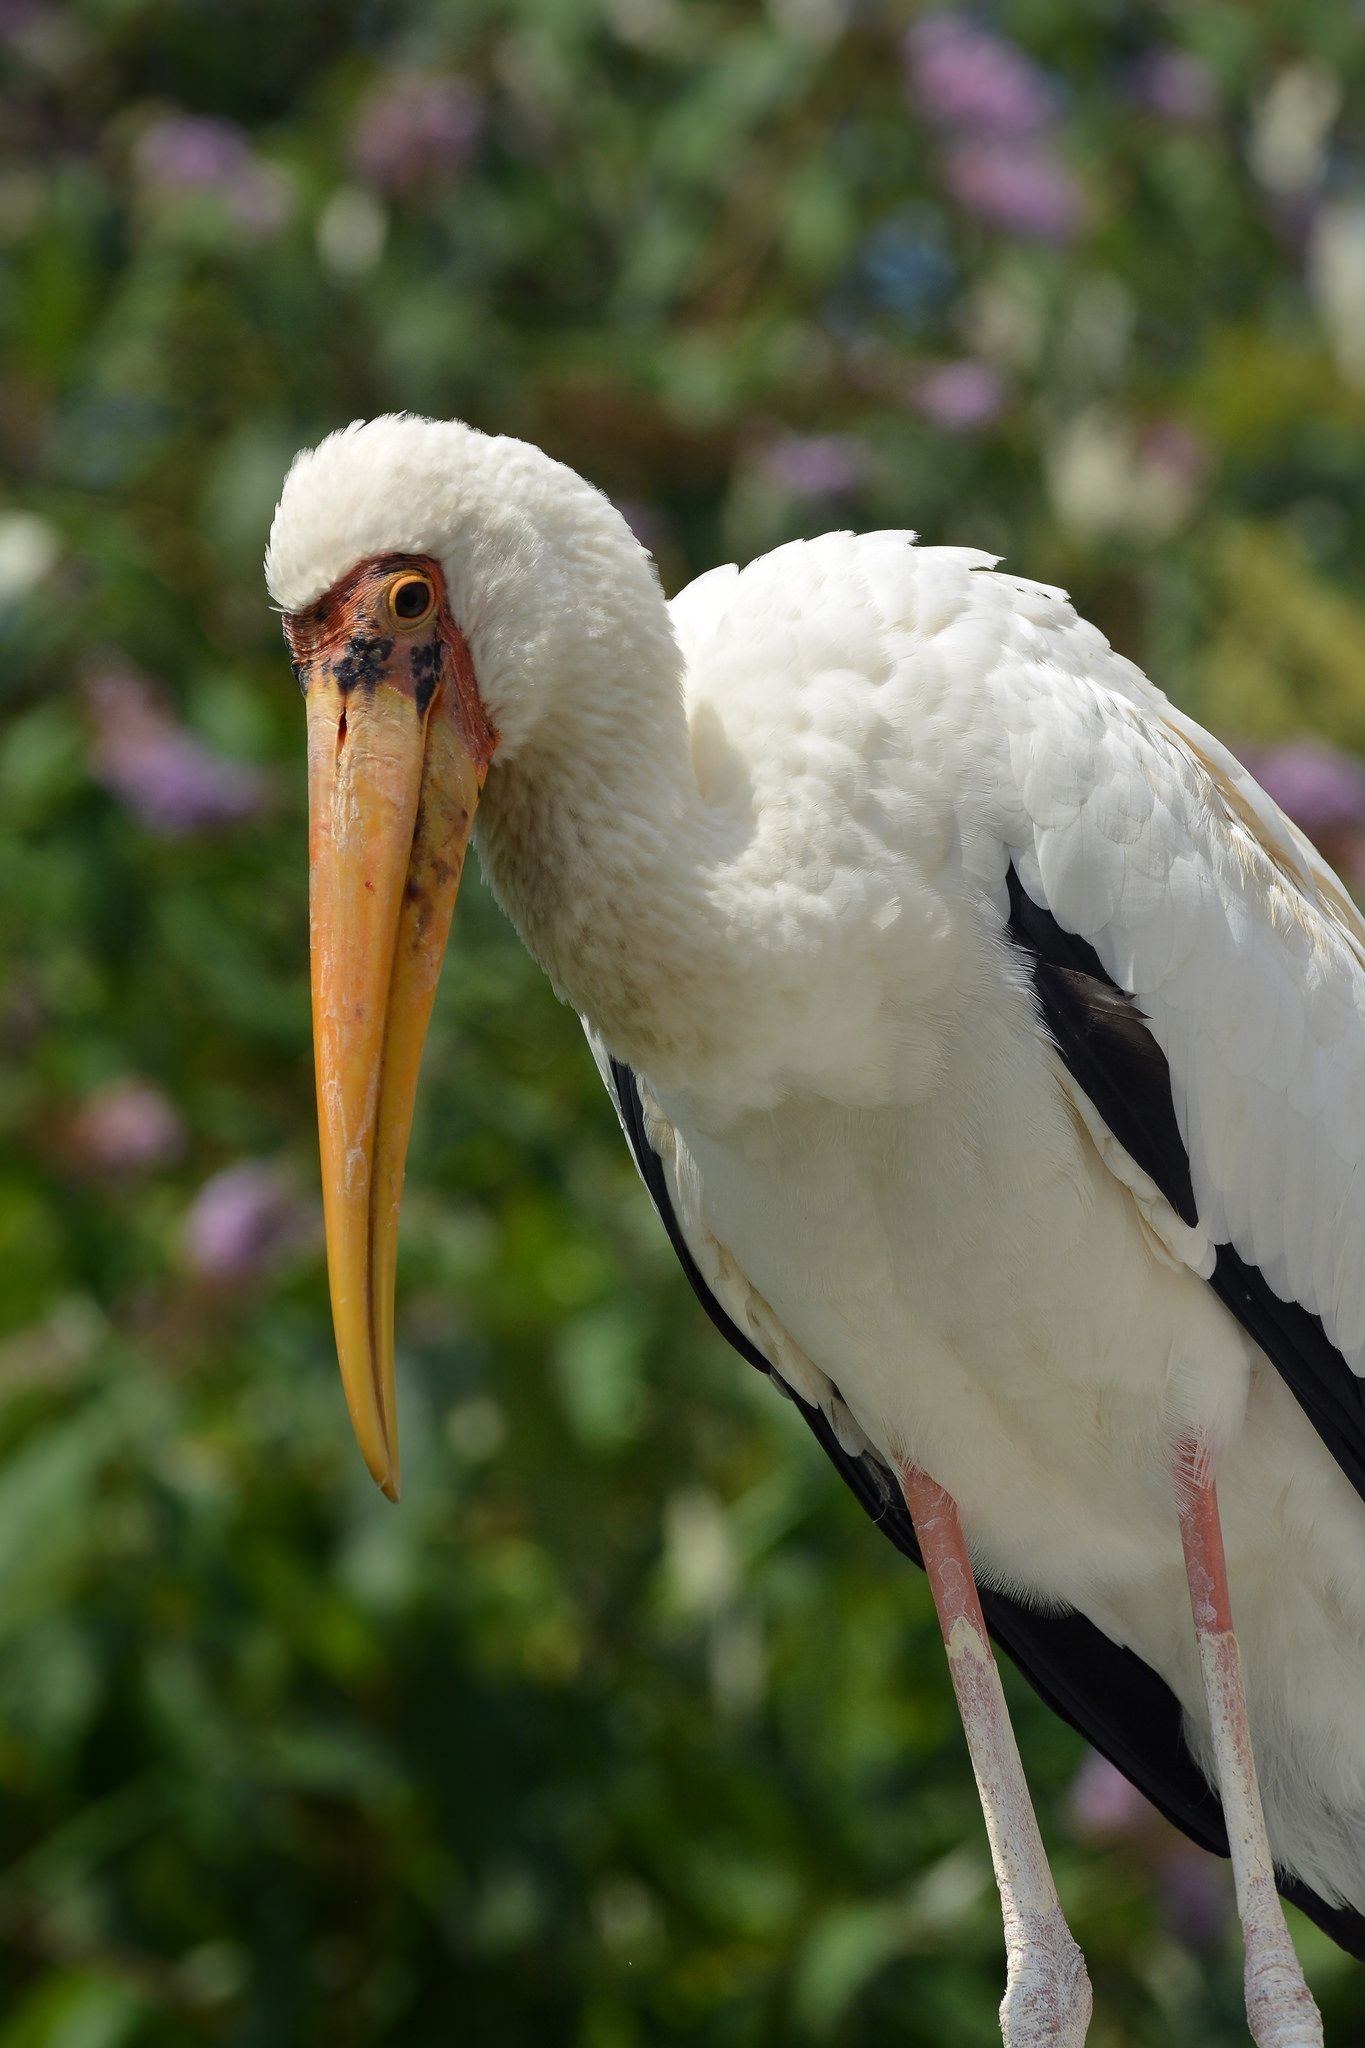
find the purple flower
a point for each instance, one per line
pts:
(1103, 1806)
(645, 521)
(1321, 789)
(169, 779)
(191, 149)
(960, 75)
(240, 1222)
(962, 397)
(1176, 85)
(1176, 450)
(185, 153)
(127, 1127)
(1021, 187)
(412, 131)
(814, 465)
(23, 22)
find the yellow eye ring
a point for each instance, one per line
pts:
(411, 600)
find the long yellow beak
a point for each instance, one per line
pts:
(392, 789)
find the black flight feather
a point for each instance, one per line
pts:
(1102, 1036)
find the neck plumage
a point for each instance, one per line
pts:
(597, 844)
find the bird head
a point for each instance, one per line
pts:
(446, 604)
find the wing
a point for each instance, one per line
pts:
(1114, 1059)
(1118, 1703)
(1146, 861)
(1202, 973)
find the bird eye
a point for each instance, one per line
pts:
(412, 600)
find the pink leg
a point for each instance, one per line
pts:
(1047, 1991)
(1280, 2008)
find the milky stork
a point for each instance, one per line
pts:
(992, 1048)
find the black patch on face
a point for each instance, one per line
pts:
(300, 675)
(363, 661)
(425, 662)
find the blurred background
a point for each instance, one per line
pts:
(625, 1728)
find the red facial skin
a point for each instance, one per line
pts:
(350, 635)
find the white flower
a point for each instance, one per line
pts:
(29, 549)
(1336, 277)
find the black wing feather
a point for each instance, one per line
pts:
(1103, 1038)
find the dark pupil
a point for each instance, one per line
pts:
(410, 600)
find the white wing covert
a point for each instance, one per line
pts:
(1141, 835)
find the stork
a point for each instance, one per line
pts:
(992, 1048)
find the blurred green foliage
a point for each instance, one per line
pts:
(625, 1728)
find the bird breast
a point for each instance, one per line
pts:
(984, 1294)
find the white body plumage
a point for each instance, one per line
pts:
(932, 1207)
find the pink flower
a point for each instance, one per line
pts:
(962, 397)
(1322, 789)
(169, 779)
(1019, 186)
(960, 75)
(412, 131)
(241, 1222)
(814, 465)
(1177, 450)
(127, 1127)
(200, 153)
(1103, 1806)
(191, 149)
(24, 23)
(645, 521)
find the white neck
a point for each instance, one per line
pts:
(599, 848)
